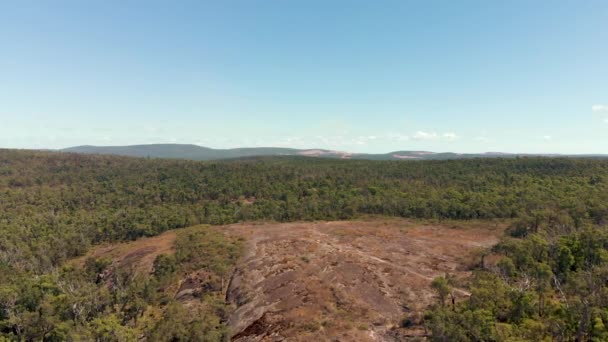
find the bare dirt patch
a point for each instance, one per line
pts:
(350, 281)
(137, 255)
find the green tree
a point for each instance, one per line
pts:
(442, 288)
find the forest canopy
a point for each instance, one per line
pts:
(55, 206)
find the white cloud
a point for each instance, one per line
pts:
(361, 140)
(601, 110)
(151, 129)
(422, 135)
(398, 137)
(547, 137)
(450, 136)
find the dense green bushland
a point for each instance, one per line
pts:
(545, 287)
(54, 206)
(103, 303)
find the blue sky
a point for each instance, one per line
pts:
(363, 76)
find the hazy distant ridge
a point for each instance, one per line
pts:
(195, 152)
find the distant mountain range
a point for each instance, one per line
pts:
(195, 152)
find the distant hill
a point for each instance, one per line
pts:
(195, 152)
(181, 151)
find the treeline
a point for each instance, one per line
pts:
(54, 206)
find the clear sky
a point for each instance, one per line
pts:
(362, 76)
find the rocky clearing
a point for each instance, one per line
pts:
(348, 281)
(328, 281)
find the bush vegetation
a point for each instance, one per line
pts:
(550, 282)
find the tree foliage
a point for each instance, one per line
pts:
(546, 287)
(55, 206)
